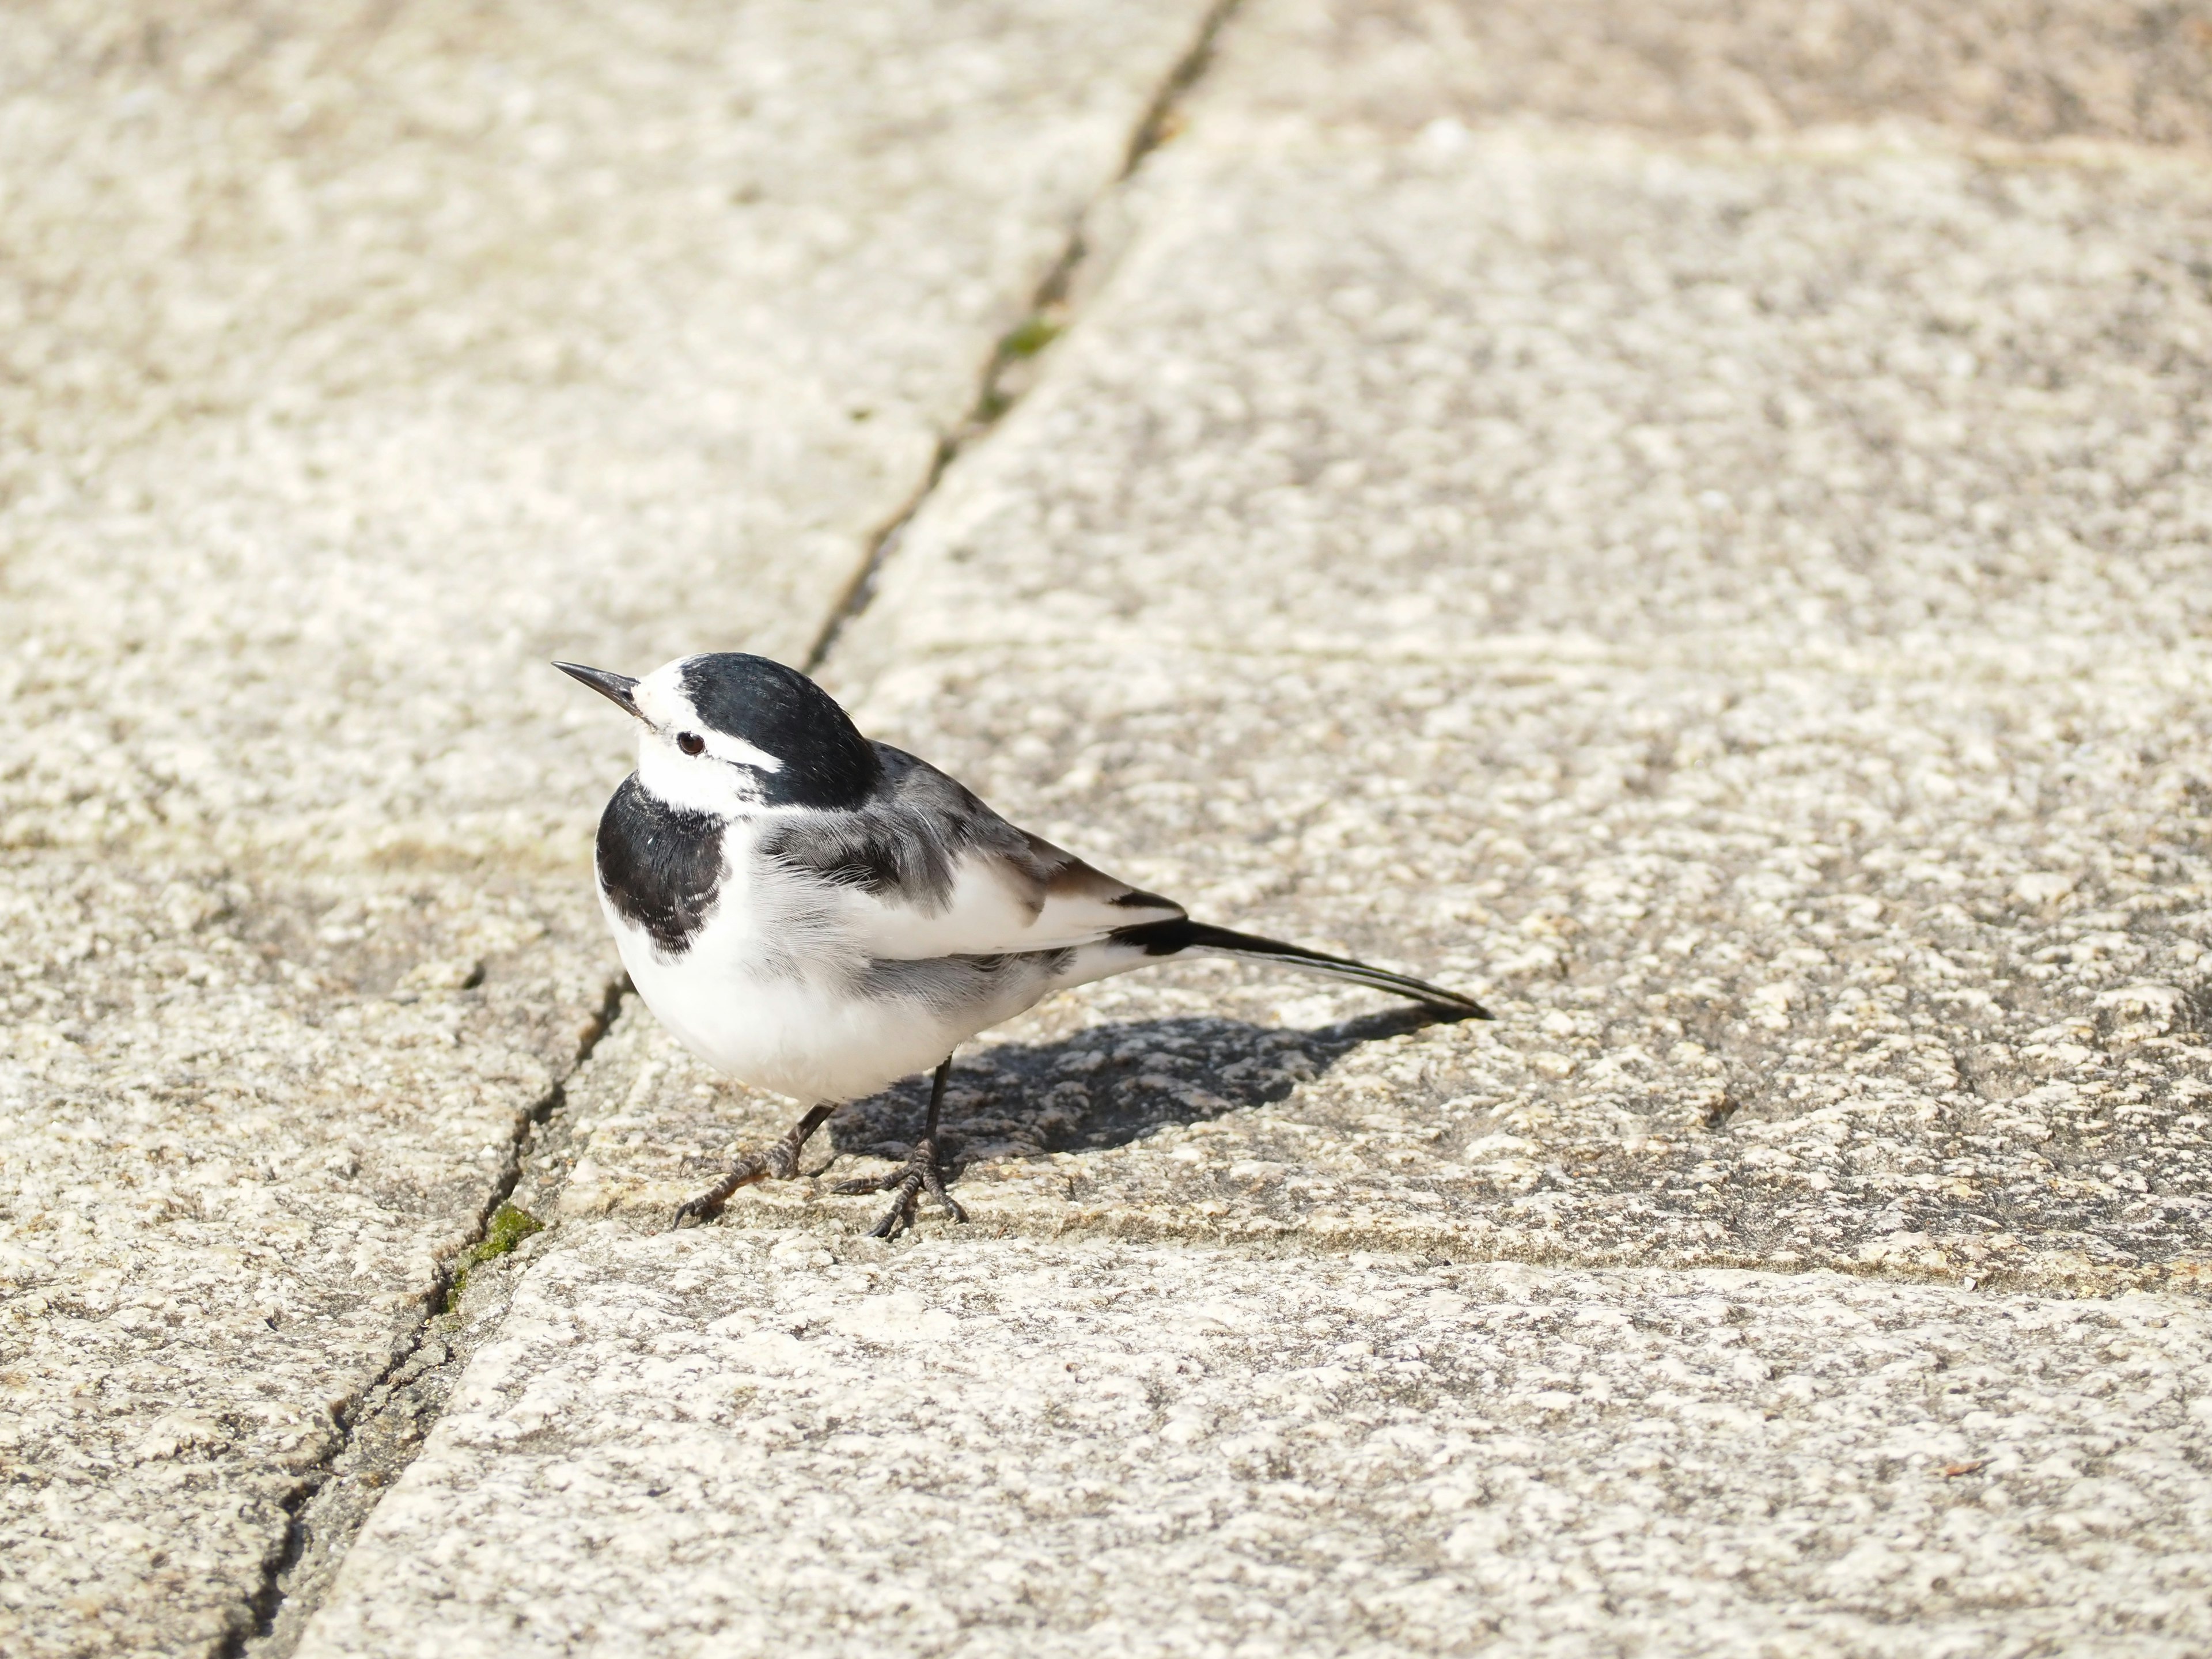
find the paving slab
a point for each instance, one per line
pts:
(746, 1442)
(358, 360)
(1737, 606)
(1742, 610)
(2045, 72)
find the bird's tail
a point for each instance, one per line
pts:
(1170, 937)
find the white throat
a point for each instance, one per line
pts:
(696, 783)
(723, 778)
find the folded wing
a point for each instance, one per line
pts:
(927, 870)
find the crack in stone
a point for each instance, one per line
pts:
(381, 1432)
(994, 394)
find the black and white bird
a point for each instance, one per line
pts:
(820, 915)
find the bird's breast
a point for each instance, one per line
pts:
(661, 868)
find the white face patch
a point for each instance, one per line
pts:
(723, 777)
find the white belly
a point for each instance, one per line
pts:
(820, 1033)
(780, 987)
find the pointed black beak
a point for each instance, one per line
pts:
(615, 688)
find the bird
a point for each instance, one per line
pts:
(820, 915)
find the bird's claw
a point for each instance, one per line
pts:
(920, 1173)
(778, 1161)
(693, 1212)
(698, 1211)
(781, 1161)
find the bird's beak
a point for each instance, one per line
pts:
(618, 689)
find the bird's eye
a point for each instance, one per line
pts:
(690, 743)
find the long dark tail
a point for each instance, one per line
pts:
(1167, 939)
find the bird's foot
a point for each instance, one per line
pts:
(778, 1160)
(920, 1173)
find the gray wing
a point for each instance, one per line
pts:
(926, 869)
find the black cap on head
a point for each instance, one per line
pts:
(826, 761)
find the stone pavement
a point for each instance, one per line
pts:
(1689, 520)
(768, 1441)
(360, 360)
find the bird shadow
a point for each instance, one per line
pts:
(1109, 1085)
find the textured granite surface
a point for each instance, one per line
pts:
(1746, 615)
(2139, 71)
(1686, 521)
(1740, 607)
(356, 360)
(742, 1442)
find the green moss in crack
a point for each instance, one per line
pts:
(509, 1227)
(1030, 336)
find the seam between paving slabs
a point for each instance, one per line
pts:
(330, 1503)
(1046, 318)
(381, 1436)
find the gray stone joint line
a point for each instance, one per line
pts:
(380, 1433)
(1153, 130)
(994, 398)
(385, 1430)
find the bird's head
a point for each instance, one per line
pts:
(729, 733)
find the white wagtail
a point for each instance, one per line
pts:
(820, 915)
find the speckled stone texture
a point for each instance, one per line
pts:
(2040, 71)
(1748, 619)
(755, 1443)
(1744, 613)
(1688, 521)
(1740, 607)
(357, 359)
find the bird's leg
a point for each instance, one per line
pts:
(919, 1175)
(779, 1159)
